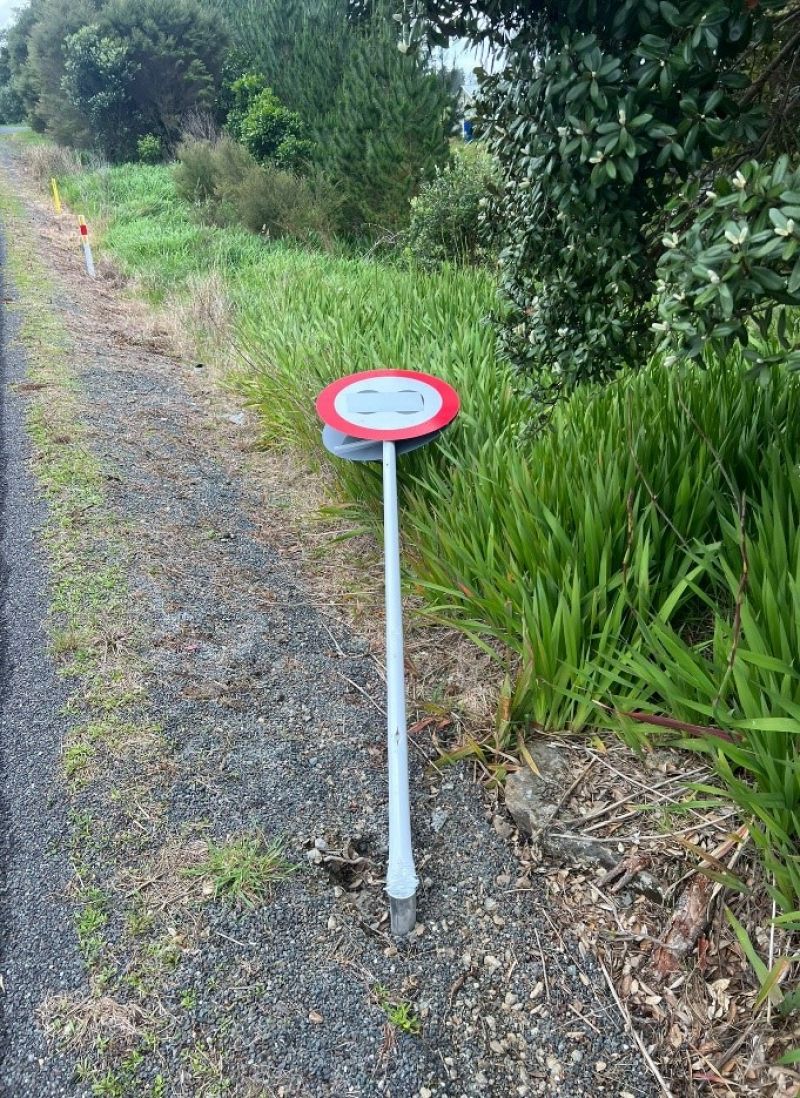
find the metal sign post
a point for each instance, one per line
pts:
(373, 416)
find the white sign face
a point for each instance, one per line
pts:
(388, 403)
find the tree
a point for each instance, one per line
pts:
(84, 67)
(388, 130)
(300, 46)
(98, 78)
(177, 48)
(11, 106)
(604, 113)
(43, 68)
(24, 79)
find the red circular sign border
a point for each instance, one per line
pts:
(446, 414)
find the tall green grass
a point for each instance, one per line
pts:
(643, 553)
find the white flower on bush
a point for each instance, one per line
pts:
(597, 158)
(739, 181)
(671, 240)
(787, 229)
(739, 237)
(713, 277)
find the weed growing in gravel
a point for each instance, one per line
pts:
(399, 1011)
(243, 870)
(208, 1071)
(90, 922)
(76, 758)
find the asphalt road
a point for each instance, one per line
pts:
(38, 949)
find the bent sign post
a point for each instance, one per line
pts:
(374, 416)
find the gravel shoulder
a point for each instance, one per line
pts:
(38, 949)
(252, 714)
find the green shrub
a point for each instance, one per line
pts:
(599, 113)
(230, 187)
(150, 149)
(447, 221)
(737, 262)
(279, 204)
(195, 172)
(266, 128)
(206, 168)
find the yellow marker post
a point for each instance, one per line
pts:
(56, 196)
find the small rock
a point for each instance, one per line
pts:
(532, 799)
(315, 1017)
(439, 818)
(424, 1092)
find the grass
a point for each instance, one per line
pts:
(243, 870)
(399, 1012)
(640, 556)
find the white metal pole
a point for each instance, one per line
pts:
(401, 876)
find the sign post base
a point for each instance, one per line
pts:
(403, 915)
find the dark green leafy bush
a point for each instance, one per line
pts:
(600, 115)
(265, 127)
(447, 216)
(738, 259)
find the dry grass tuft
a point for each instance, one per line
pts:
(48, 161)
(77, 1023)
(162, 884)
(200, 321)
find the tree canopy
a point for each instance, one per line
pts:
(104, 74)
(613, 122)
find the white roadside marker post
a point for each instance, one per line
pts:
(87, 248)
(374, 416)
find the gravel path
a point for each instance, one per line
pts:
(38, 952)
(270, 722)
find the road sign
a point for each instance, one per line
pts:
(388, 405)
(374, 416)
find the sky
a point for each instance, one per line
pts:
(7, 10)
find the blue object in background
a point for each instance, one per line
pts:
(466, 126)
